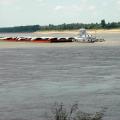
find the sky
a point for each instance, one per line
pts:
(44, 12)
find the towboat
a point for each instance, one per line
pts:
(84, 37)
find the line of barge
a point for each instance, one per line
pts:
(83, 37)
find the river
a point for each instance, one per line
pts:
(33, 79)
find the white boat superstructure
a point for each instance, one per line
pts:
(85, 37)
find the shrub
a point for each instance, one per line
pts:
(60, 112)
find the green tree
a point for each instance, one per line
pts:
(103, 23)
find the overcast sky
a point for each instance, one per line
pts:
(44, 12)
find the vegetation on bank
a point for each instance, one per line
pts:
(72, 26)
(60, 112)
(23, 29)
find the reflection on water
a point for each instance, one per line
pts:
(32, 79)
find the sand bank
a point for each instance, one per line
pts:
(51, 45)
(77, 31)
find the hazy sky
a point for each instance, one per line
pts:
(43, 12)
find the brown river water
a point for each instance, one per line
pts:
(33, 79)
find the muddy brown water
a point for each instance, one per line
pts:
(32, 79)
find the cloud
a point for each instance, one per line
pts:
(7, 2)
(75, 8)
(104, 4)
(118, 5)
(40, 1)
(59, 7)
(92, 8)
(118, 2)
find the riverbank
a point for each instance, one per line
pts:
(77, 31)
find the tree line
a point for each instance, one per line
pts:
(31, 28)
(72, 26)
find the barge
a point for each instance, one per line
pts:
(41, 40)
(62, 39)
(83, 37)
